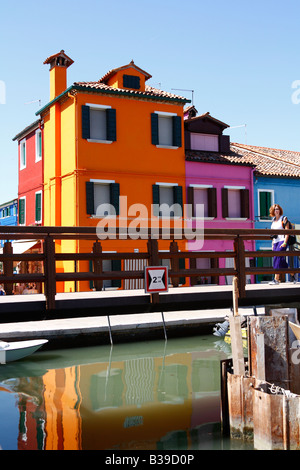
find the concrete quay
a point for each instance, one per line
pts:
(84, 331)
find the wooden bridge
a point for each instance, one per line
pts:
(50, 304)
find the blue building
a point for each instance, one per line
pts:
(276, 181)
(8, 214)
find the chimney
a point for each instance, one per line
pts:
(58, 73)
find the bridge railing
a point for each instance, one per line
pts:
(48, 256)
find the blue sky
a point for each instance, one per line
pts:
(240, 58)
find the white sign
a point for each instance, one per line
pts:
(156, 279)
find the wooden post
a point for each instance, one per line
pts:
(97, 263)
(174, 262)
(50, 272)
(8, 268)
(235, 296)
(152, 245)
(239, 249)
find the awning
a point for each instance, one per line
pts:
(21, 246)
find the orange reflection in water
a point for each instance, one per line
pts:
(141, 403)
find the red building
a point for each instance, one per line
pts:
(30, 174)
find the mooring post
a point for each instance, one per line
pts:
(236, 334)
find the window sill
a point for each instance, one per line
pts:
(172, 147)
(100, 141)
(236, 218)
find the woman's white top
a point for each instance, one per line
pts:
(277, 225)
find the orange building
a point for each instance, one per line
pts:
(112, 148)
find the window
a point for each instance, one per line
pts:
(100, 196)
(235, 202)
(22, 209)
(167, 200)
(165, 130)
(265, 201)
(131, 81)
(38, 145)
(23, 154)
(204, 142)
(38, 207)
(205, 195)
(98, 123)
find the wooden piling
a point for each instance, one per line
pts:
(264, 404)
(236, 334)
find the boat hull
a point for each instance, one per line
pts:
(20, 349)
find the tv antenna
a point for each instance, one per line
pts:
(35, 101)
(182, 89)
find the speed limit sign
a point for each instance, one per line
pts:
(156, 279)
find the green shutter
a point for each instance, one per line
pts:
(177, 191)
(85, 121)
(154, 129)
(90, 198)
(115, 196)
(155, 195)
(131, 81)
(177, 131)
(21, 211)
(264, 204)
(111, 132)
(38, 207)
(116, 266)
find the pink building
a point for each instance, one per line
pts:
(217, 180)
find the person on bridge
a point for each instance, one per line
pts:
(279, 242)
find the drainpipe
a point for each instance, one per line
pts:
(74, 97)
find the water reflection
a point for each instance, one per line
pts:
(150, 395)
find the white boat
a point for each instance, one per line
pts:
(14, 351)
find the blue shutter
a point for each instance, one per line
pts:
(111, 133)
(85, 121)
(90, 198)
(154, 128)
(177, 131)
(115, 196)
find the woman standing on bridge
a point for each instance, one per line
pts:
(279, 242)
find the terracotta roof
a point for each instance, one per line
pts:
(131, 64)
(268, 161)
(207, 116)
(149, 91)
(215, 157)
(59, 54)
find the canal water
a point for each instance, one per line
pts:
(156, 395)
